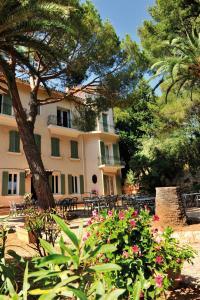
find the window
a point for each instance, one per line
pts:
(64, 118)
(14, 141)
(74, 184)
(105, 122)
(55, 147)
(74, 149)
(12, 184)
(55, 184)
(5, 105)
(38, 141)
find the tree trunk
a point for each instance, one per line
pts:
(169, 206)
(33, 156)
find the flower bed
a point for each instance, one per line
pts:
(149, 258)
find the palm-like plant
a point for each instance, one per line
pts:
(181, 69)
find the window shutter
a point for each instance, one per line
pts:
(74, 149)
(7, 105)
(69, 184)
(105, 122)
(14, 143)
(105, 184)
(21, 183)
(118, 184)
(63, 184)
(38, 141)
(116, 153)
(81, 184)
(50, 181)
(55, 147)
(4, 183)
(103, 153)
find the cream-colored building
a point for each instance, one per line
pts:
(77, 162)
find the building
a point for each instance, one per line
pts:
(78, 162)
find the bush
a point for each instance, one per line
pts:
(147, 256)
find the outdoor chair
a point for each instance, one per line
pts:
(74, 203)
(197, 201)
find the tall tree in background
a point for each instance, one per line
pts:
(61, 44)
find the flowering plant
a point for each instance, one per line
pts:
(145, 254)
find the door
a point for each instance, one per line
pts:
(108, 185)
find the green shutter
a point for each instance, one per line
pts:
(14, 141)
(74, 149)
(50, 181)
(116, 153)
(21, 183)
(63, 184)
(105, 122)
(69, 184)
(105, 184)
(118, 184)
(38, 141)
(7, 105)
(4, 183)
(81, 184)
(55, 147)
(103, 152)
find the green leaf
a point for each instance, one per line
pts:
(56, 259)
(26, 285)
(105, 268)
(47, 246)
(136, 290)
(79, 294)
(67, 231)
(114, 295)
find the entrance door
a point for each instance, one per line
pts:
(108, 185)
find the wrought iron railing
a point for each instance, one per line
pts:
(53, 120)
(106, 127)
(110, 161)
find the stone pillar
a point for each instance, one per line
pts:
(169, 206)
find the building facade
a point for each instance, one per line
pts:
(77, 162)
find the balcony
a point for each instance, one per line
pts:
(59, 128)
(106, 127)
(110, 163)
(6, 116)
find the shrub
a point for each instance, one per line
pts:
(147, 255)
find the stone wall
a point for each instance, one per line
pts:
(169, 206)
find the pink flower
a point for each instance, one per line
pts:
(157, 247)
(94, 213)
(135, 249)
(110, 213)
(121, 215)
(179, 260)
(125, 254)
(159, 280)
(156, 218)
(158, 239)
(141, 294)
(133, 223)
(101, 219)
(89, 222)
(108, 241)
(86, 236)
(135, 213)
(159, 260)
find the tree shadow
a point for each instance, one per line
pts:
(189, 289)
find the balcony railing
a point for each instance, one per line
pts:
(53, 120)
(110, 161)
(106, 127)
(6, 109)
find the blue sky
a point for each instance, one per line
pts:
(125, 15)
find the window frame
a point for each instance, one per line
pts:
(56, 190)
(12, 183)
(75, 184)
